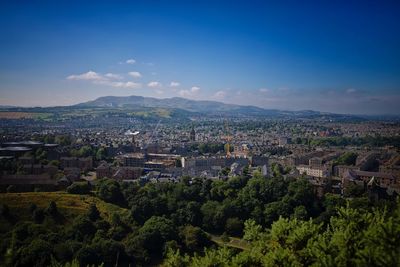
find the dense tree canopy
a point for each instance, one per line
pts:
(280, 220)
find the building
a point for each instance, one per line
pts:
(314, 171)
(134, 160)
(315, 162)
(193, 135)
(104, 170)
(84, 164)
(383, 180)
(127, 173)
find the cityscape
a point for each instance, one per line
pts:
(119, 159)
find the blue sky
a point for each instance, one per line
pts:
(341, 56)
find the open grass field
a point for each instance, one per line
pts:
(68, 204)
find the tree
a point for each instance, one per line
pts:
(155, 232)
(234, 226)
(194, 238)
(213, 216)
(101, 154)
(252, 231)
(38, 215)
(110, 191)
(82, 228)
(93, 212)
(80, 188)
(300, 213)
(52, 209)
(88, 256)
(348, 158)
(354, 190)
(37, 253)
(276, 209)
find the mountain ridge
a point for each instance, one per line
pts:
(200, 106)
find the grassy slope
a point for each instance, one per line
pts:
(68, 204)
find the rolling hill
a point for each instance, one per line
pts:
(198, 106)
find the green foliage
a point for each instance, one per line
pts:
(93, 213)
(354, 190)
(155, 232)
(82, 229)
(252, 230)
(63, 140)
(37, 253)
(84, 151)
(52, 209)
(300, 213)
(80, 188)
(213, 216)
(109, 190)
(194, 239)
(213, 148)
(352, 238)
(348, 158)
(234, 226)
(101, 154)
(38, 215)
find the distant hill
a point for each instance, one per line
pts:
(198, 106)
(169, 108)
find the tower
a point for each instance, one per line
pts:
(193, 135)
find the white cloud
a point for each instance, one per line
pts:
(87, 76)
(195, 89)
(131, 85)
(113, 76)
(159, 92)
(220, 94)
(154, 84)
(135, 74)
(174, 84)
(130, 61)
(106, 79)
(190, 93)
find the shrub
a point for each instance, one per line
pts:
(80, 188)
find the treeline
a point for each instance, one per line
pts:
(370, 141)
